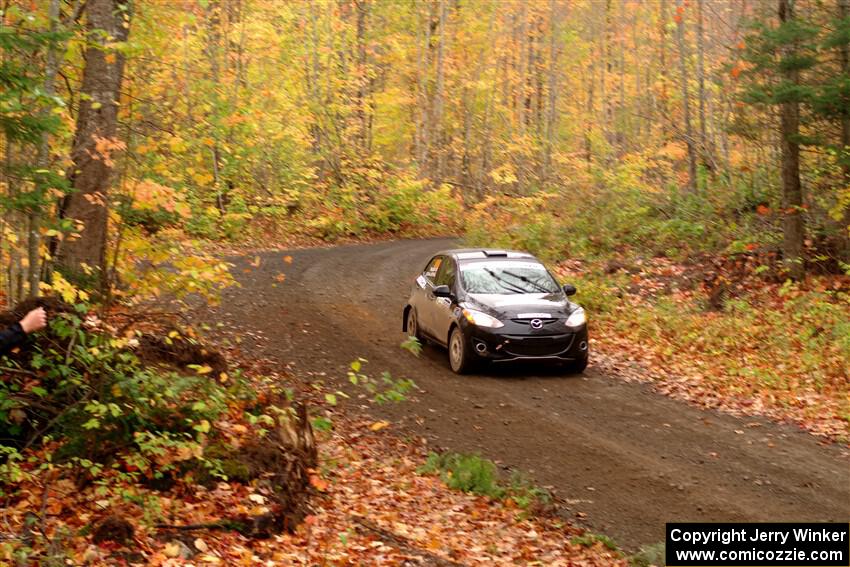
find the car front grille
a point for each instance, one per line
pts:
(546, 322)
(538, 346)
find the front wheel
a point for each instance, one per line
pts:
(577, 366)
(413, 325)
(460, 355)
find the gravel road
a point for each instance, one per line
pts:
(626, 459)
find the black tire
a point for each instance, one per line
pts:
(412, 324)
(461, 357)
(577, 366)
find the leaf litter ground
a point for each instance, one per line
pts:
(370, 506)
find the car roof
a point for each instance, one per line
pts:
(486, 253)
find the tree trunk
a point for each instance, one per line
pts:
(539, 88)
(97, 123)
(640, 106)
(621, 118)
(438, 93)
(34, 235)
(468, 178)
(792, 191)
(422, 134)
(551, 111)
(686, 97)
(238, 70)
(312, 76)
(844, 55)
(362, 76)
(662, 40)
(14, 221)
(519, 97)
(703, 139)
(607, 71)
(589, 107)
(213, 48)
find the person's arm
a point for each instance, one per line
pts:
(13, 335)
(10, 337)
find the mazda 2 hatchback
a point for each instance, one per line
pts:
(496, 306)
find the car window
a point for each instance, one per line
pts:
(431, 269)
(505, 278)
(446, 274)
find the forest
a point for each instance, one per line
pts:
(685, 162)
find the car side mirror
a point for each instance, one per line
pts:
(569, 289)
(442, 291)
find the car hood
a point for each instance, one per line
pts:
(525, 305)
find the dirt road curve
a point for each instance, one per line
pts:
(625, 457)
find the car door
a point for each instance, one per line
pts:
(424, 294)
(442, 310)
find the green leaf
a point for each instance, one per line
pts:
(322, 424)
(413, 345)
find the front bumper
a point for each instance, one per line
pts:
(515, 342)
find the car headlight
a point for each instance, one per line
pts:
(482, 319)
(577, 318)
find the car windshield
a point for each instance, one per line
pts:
(506, 278)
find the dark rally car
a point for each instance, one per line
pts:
(497, 306)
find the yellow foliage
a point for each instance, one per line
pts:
(152, 265)
(66, 290)
(504, 174)
(176, 144)
(674, 151)
(149, 195)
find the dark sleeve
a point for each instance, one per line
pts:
(10, 337)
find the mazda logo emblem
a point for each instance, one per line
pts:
(536, 324)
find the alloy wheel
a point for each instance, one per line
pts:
(456, 350)
(412, 324)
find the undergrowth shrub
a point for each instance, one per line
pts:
(151, 219)
(525, 223)
(203, 222)
(590, 539)
(621, 210)
(401, 205)
(786, 346)
(648, 555)
(150, 267)
(406, 204)
(233, 225)
(477, 475)
(385, 390)
(468, 473)
(598, 294)
(86, 394)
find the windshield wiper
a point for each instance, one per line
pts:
(514, 288)
(541, 288)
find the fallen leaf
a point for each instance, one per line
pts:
(172, 550)
(318, 483)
